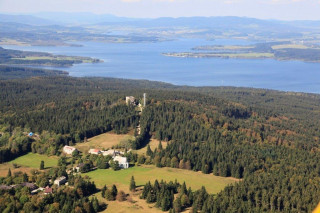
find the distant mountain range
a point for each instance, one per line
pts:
(27, 19)
(62, 18)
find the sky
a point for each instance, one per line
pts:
(263, 9)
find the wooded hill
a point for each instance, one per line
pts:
(268, 138)
(11, 72)
(17, 57)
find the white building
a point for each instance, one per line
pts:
(69, 150)
(95, 151)
(61, 180)
(130, 100)
(123, 162)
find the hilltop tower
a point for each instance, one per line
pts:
(144, 99)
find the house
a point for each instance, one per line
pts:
(61, 180)
(48, 190)
(84, 167)
(130, 100)
(95, 151)
(35, 191)
(123, 162)
(79, 167)
(69, 150)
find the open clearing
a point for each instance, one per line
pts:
(103, 141)
(4, 167)
(28, 162)
(139, 205)
(153, 145)
(143, 174)
(33, 160)
(285, 46)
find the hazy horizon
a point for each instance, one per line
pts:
(40, 14)
(260, 9)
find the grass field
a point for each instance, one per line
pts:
(33, 160)
(153, 144)
(143, 174)
(4, 167)
(285, 46)
(139, 205)
(106, 140)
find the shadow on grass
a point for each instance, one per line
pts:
(102, 207)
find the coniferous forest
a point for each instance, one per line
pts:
(269, 139)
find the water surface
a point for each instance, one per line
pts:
(145, 61)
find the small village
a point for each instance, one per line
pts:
(114, 156)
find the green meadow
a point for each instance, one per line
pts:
(143, 174)
(33, 160)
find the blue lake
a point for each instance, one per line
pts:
(145, 61)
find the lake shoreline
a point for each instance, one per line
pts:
(146, 61)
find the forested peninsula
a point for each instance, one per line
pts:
(28, 58)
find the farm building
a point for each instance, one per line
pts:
(69, 150)
(48, 190)
(95, 151)
(35, 191)
(123, 162)
(61, 180)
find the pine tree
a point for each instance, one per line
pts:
(9, 173)
(183, 188)
(177, 205)
(146, 190)
(149, 151)
(160, 146)
(185, 201)
(115, 165)
(150, 197)
(103, 191)
(156, 186)
(25, 177)
(95, 204)
(42, 165)
(132, 184)
(114, 191)
(165, 203)
(109, 195)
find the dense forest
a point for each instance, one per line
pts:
(270, 139)
(11, 72)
